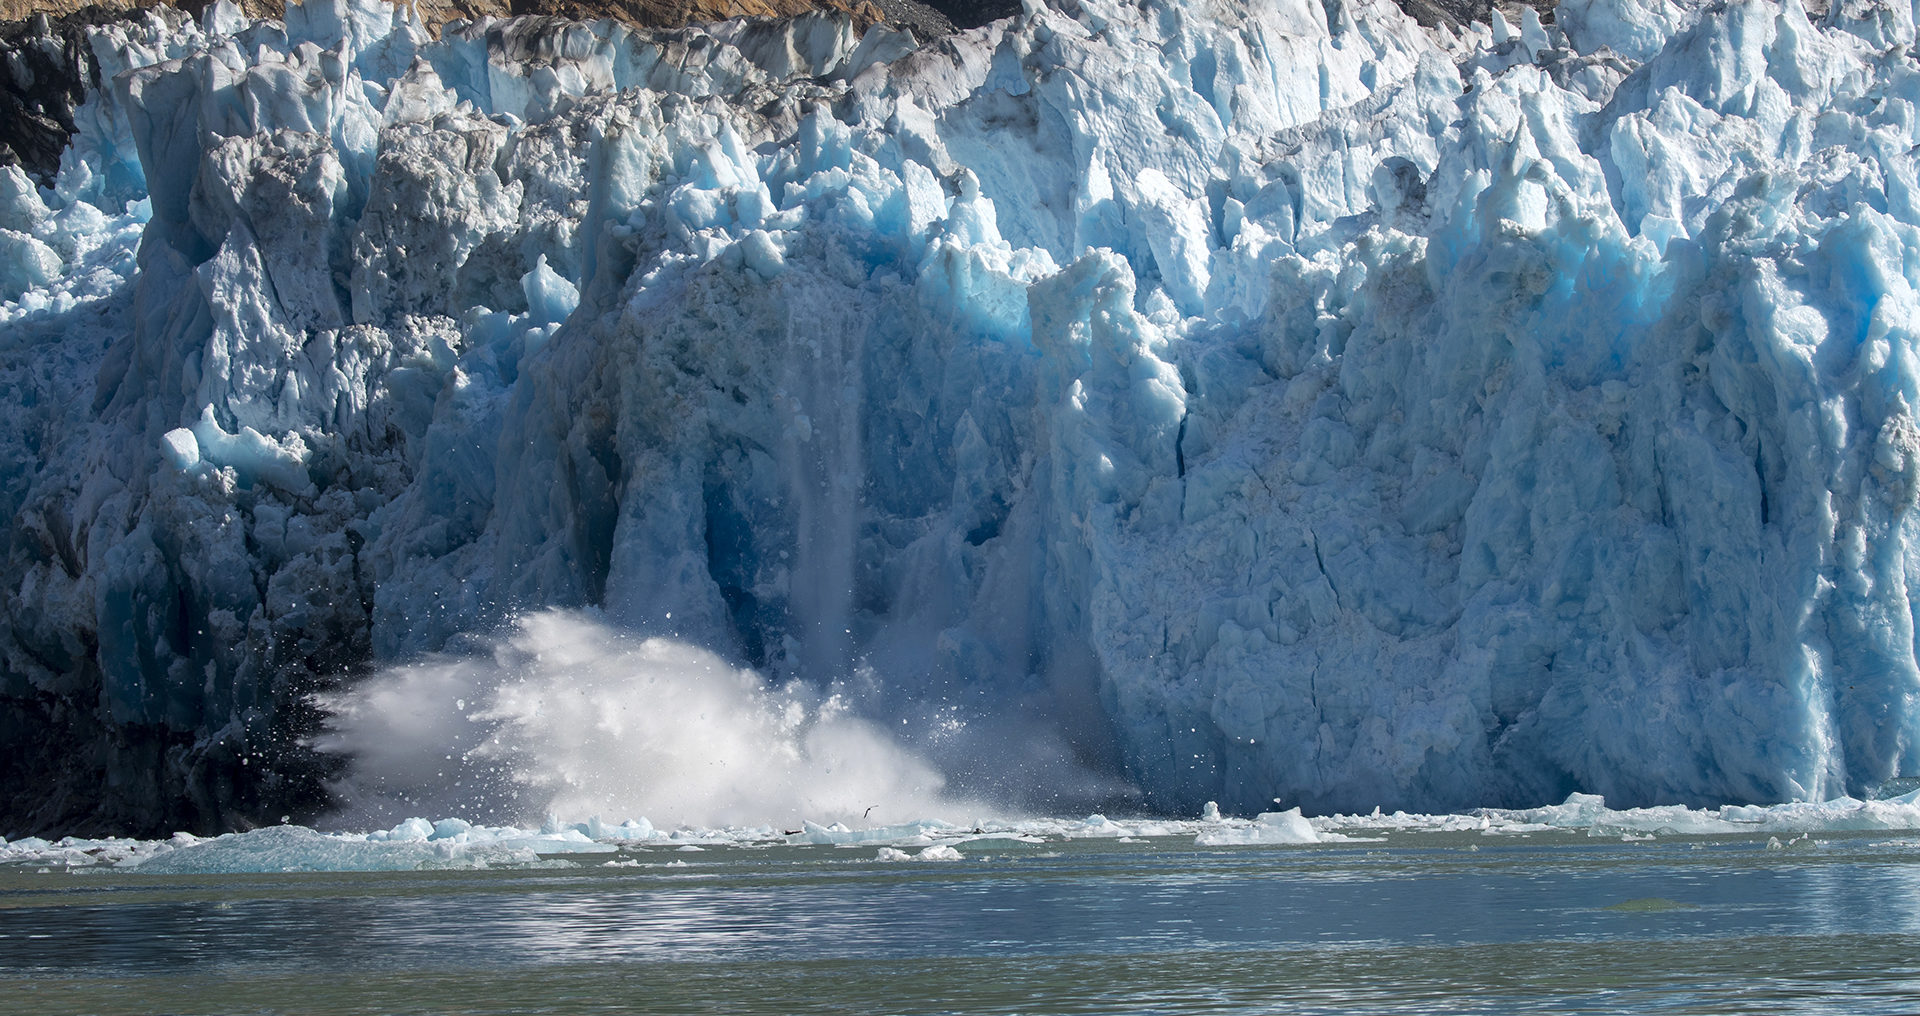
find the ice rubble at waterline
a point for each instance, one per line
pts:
(1281, 399)
(417, 844)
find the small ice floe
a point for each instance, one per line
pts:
(1269, 827)
(937, 852)
(1096, 826)
(838, 834)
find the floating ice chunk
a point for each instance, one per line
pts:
(838, 833)
(1577, 810)
(632, 829)
(418, 843)
(411, 829)
(1095, 827)
(450, 828)
(937, 852)
(296, 848)
(1288, 826)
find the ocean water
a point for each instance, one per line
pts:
(1393, 920)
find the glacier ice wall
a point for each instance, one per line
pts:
(1277, 399)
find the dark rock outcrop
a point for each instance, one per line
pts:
(47, 70)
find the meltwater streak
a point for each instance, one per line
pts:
(570, 718)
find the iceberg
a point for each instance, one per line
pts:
(1250, 400)
(1269, 827)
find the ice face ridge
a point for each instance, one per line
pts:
(1282, 400)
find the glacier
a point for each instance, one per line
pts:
(1252, 399)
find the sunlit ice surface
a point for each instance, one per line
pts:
(1297, 401)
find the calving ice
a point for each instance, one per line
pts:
(1242, 400)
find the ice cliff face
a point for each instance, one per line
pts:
(49, 63)
(1284, 400)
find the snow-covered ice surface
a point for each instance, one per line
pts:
(417, 844)
(1275, 398)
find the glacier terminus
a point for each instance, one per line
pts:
(1242, 399)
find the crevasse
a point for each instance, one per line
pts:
(1278, 399)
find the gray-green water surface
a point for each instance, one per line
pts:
(1412, 923)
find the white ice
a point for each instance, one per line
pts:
(572, 719)
(1260, 400)
(419, 844)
